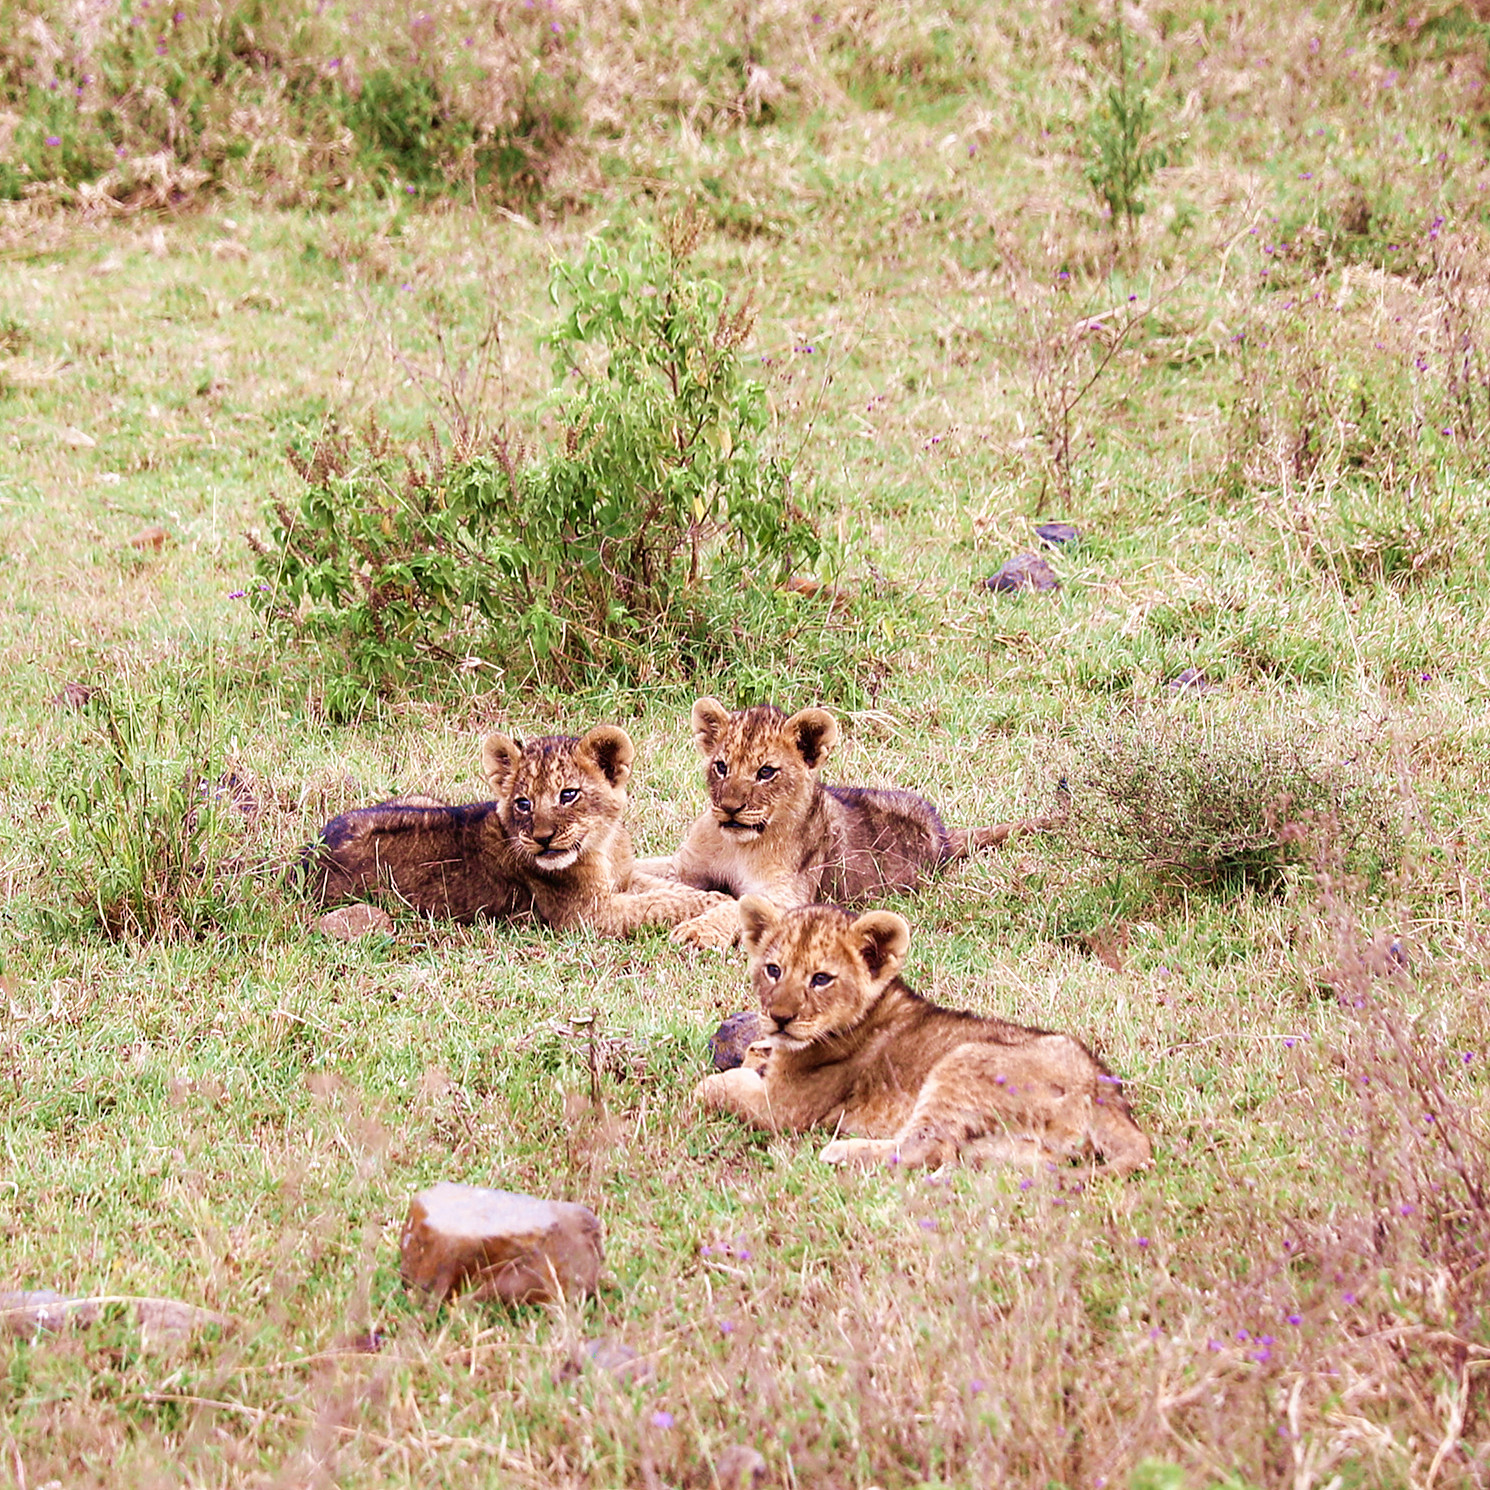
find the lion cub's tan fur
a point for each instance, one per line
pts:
(900, 1079)
(553, 842)
(561, 802)
(773, 829)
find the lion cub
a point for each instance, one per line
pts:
(854, 1049)
(442, 860)
(773, 829)
(553, 842)
(561, 802)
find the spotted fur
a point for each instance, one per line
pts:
(899, 1079)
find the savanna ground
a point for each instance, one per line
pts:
(1263, 400)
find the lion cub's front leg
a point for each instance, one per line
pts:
(741, 1092)
(718, 927)
(656, 903)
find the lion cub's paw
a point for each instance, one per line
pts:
(861, 1151)
(717, 928)
(758, 1055)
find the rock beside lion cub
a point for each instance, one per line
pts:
(495, 1244)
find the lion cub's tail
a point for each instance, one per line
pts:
(962, 841)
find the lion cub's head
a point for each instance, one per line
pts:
(558, 794)
(819, 970)
(759, 763)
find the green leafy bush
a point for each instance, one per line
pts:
(624, 550)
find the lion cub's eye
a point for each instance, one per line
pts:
(765, 773)
(772, 971)
(720, 769)
(821, 980)
(521, 804)
(568, 795)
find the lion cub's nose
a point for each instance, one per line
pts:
(780, 1021)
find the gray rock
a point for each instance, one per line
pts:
(1190, 680)
(1024, 572)
(38, 1311)
(734, 1037)
(621, 1361)
(165, 1324)
(1054, 535)
(494, 1244)
(349, 922)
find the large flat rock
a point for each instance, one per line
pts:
(495, 1244)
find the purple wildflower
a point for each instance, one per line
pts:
(662, 1418)
(236, 594)
(54, 140)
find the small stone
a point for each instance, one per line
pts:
(734, 1037)
(349, 922)
(149, 540)
(368, 1342)
(73, 696)
(739, 1467)
(1024, 572)
(166, 1325)
(1191, 680)
(621, 1361)
(494, 1244)
(1053, 535)
(78, 439)
(37, 1311)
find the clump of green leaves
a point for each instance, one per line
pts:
(625, 550)
(150, 814)
(1206, 809)
(1122, 135)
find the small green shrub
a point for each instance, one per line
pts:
(149, 812)
(1122, 135)
(1207, 810)
(623, 551)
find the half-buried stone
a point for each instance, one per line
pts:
(495, 1244)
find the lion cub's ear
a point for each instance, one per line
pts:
(882, 938)
(609, 749)
(759, 918)
(709, 719)
(815, 733)
(499, 758)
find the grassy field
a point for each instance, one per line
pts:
(1264, 400)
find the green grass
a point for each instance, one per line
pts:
(218, 1105)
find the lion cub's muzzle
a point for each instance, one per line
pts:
(731, 822)
(547, 855)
